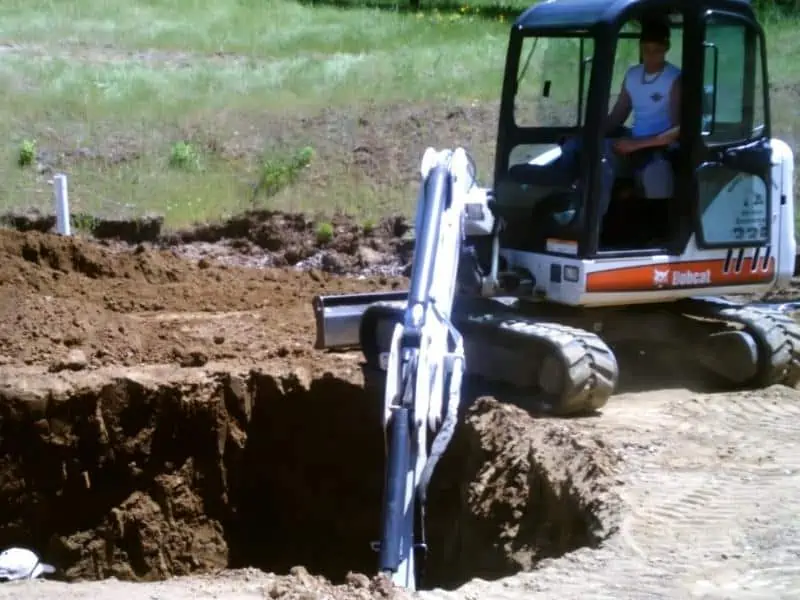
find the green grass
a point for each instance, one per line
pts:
(136, 77)
(178, 107)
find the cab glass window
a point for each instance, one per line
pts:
(733, 82)
(553, 81)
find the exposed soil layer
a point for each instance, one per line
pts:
(514, 490)
(144, 473)
(131, 306)
(162, 416)
(259, 238)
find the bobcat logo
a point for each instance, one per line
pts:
(656, 97)
(660, 278)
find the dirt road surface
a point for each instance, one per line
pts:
(167, 431)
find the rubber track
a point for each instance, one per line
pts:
(590, 365)
(778, 338)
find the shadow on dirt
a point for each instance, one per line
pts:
(640, 370)
(130, 231)
(648, 367)
(144, 477)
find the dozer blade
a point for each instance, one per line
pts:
(338, 317)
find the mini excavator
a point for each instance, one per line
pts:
(531, 282)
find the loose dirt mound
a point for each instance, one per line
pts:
(301, 585)
(515, 490)
(152, 472)
(121, 306)
(132, 231)
(161, 417)
(240, 584)
(296, 240)
(260, 238)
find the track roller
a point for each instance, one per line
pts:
(546, 367)
(777, 338)
(560, 370)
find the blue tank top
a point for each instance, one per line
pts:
(651, 114)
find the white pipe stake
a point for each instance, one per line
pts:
(61, 198)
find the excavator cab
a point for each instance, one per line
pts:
(565, 66)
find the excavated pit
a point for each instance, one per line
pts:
(158, 471)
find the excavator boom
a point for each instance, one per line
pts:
(413, 341)
(424, 366)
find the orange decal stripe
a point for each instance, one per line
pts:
(680, 275)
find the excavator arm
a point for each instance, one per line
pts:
(417, 342)
(425, 364)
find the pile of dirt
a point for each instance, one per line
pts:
(156, 471)
(260, 238)
(515, 490)
(138, 440)
(278, 239)
(300, 584)
(132, 231)
(128, 306)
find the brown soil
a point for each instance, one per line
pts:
(161, 416)
(137, 306)
(257, 238)
(515, 490)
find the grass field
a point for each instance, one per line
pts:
(195, 109)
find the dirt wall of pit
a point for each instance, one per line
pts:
(142, 474)
(163, 413)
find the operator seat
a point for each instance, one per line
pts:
(640, 212)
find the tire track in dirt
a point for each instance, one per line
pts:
(755, 490)
(674, 512)
(709, 491)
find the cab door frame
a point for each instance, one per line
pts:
(732, 162)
